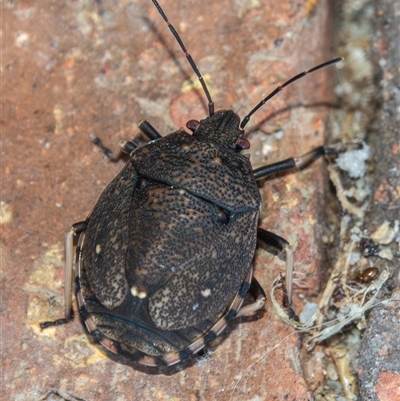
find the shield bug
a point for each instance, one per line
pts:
(164, 260)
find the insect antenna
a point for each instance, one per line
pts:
(188, 56)
(288, 82)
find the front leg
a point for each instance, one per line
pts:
(124, 148)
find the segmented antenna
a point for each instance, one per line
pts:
(188, 56)
(203, 84)
(288, 82)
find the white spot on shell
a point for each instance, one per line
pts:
(216, 161)
(136, 293)
(195, 306)
(206, 293)
(98, 248)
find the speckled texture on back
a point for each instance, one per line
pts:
(106, 242)
(171, 240)
(187, 254)
(204, 164)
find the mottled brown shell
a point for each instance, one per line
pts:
(170, 241)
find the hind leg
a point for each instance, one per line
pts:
(281, 244)
(76, 229)
(259, 295)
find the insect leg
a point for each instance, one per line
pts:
(258, 293)
(75, 229)
(124, 148)
(149, 130)
(281, 244)
(293, 162)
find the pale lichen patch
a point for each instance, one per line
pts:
(6, 213)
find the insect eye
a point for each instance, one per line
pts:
(192, 125)
(242, 144)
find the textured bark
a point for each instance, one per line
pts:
(379, 369)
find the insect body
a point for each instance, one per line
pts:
(165, 253)
(164, 260)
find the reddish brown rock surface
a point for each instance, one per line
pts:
(75, 69)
